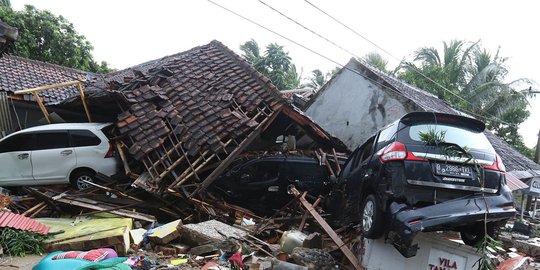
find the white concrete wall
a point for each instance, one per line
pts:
(353, 108)
(434, 253)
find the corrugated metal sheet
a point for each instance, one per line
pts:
(5, 119)
(514, 183)
(20, 222)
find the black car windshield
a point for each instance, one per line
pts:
(456, 135)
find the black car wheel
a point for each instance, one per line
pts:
(473, 234)
(78, 179)
(372, 218)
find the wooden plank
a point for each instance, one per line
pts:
(120, 149)
(227, 161)
(348, 253)
(83, 100)
(304, 218)
(42, 107)
(96, 207)
(31, 210)
(338, 167)
(47, 87)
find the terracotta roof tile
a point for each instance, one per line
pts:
(18, 73)
(201, 85)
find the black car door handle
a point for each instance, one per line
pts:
(23, 156)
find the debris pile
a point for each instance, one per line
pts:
(209, 232)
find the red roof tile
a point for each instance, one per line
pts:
(20, 222)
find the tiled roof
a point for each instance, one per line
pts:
(513, 160)
(515, 183)
(17, 73)
(207, 94)
(20, 222)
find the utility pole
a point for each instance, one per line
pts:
(537, 152)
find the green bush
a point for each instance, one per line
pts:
(21, 243)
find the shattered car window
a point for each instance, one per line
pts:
(459, 136)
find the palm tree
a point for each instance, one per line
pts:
(317, 80)
(276, 64)
(467, 76)
(376, 60)
(473, 80)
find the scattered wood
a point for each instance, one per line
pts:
(346, 251)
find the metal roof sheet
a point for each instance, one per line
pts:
(20, 222)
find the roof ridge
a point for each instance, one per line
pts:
(249, 69)
(153, 61)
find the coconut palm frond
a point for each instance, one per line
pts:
(452, 51)
(376, 60)
(428, 56)
(251, 51)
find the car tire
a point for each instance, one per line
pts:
(372, 218)
(78, 177)
(473, 234)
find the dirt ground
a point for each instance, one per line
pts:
(19, 263)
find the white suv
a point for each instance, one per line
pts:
(56, 154)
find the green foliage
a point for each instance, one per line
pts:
(376, 60)
(5, 3)
(21, 243)
(276, 64)
(316, 80)
(473, 80)
(49, 38)
(432, 136)
(487, 248)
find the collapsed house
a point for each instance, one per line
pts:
(192, 113)
(184, 118)
(360, 99)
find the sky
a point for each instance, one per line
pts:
(129, 32)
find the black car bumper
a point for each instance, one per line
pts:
(450, 215)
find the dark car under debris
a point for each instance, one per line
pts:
(259, 181)
(427, 172)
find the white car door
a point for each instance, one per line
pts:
(15, 160)
(54, 158)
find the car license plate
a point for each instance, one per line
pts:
(453, 170)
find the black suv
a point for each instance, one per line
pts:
(259, 182)
(427, 172)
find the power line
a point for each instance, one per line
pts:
(352, 30)
(308, 29)
(413, 67)
(317, 53)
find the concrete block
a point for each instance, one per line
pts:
(211, 231)
(137, 236)
(165, 233)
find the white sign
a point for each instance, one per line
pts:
(535, 185)
(442, 260)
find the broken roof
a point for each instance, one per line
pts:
(196, 106)
(205, 93)
(515, 162)
(17, 73)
